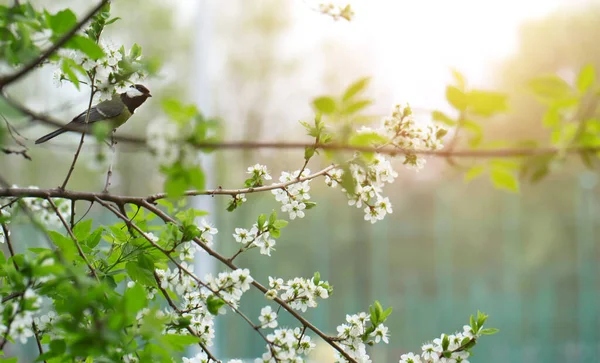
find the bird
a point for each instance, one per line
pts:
(114, 112)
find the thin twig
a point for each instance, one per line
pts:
(36, 333)
(9, 244)
(70, 232)
(62, 41)
(109, 172)
(23, 152)
(12, 131)
(87, 118)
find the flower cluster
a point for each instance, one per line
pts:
(268, 318)
(355, 333)
(258, 173)
(106, 72)
(193, 303)
(299, 293)
(41, 208)
(16, 317)
(286, 345)
(294, 197)
(401, 131)
(406, 134)
(445, 349)
(255, 237)
(231, 285)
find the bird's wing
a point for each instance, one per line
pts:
(102, 111)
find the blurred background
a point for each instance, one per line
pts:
(530, 261)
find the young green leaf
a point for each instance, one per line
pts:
(356, 88)
(325, 105)
(504, 179)
(586, 78)
(456, 98)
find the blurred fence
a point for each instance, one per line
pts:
(530, 261)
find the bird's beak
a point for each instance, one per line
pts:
(149, 95)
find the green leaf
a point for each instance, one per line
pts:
(309, 205)
(486, 103)
(214, 303)
(139, 274)
(82, 229)
(355, 88)
(325, 105)
(197, 179)
(69, 73)
(309, 152)
(456, 98)
(550, 87)
(135, 300)
(586, 78)
(551, 118)
(179, 342)
(386, 313)
(443, 118)
(64, 244)
(86, 45)
(280, 223)
(120, 235)
(61, 22)
(474, 172)
(460, 79)
(175, 185)
(110, 21)
(262, 219)
(57, 348)
(93, 240)
(489, 331)
(503, 179)
(136, 51)
(356, 106)
(178, 112)
(367, 139)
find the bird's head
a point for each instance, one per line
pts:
(135, 96)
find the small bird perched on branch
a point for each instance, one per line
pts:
(112, 113)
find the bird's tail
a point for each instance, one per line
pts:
(51, 135)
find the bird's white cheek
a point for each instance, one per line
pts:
(133, 92)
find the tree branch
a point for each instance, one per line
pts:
(62, 41)
(167, 219)
(140, 201)
(251, 145)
